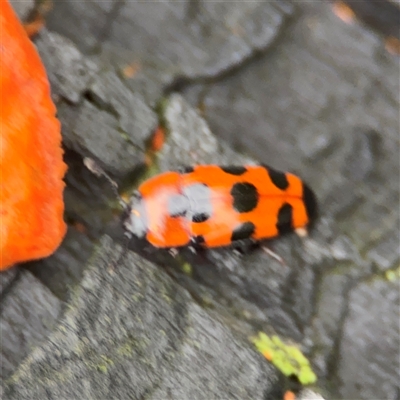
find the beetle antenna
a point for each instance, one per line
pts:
(95, 168)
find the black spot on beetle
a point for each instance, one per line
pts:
(198, 239)
(245, 197)
(310, 202)
(186, 169)
(285, 219)
(243, 231)
(278, 178)
(234, 169)
(200, 217)
(245, 246)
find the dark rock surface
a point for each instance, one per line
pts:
(7, 277)
(171, 41)
(384, 16)
(200, 144)
(106, 120)
(63, 270)
(22, 8)
(284, 83)
(134, 333)
(27, 315)
(358, 346)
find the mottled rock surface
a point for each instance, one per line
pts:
(27, 315)
(134, 333)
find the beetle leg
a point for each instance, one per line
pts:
(245, 246)
(173, 251)
(274, 255)
(301, 232)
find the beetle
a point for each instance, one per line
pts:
(214, 206)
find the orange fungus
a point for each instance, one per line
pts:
(31, 166)
(158, 139)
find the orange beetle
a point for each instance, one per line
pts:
(213, 206)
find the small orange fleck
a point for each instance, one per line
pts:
(289, 395)
(37, 20)
(158, 139)
(392, 45)
(79, 227)
(344, 12)
(148, 160)
(267, 355)
(33, 27)
(130, 70)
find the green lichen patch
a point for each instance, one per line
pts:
(187, 268)
(392, 275)
(287, 358)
